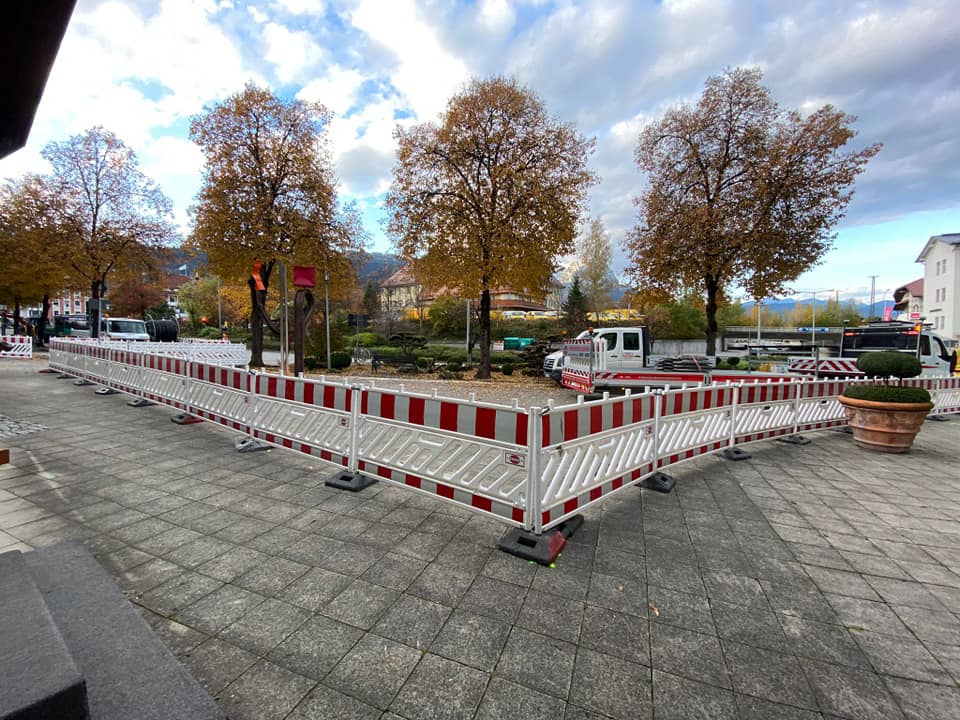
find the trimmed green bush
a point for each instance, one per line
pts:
(340, 360)
(887, 393)
(889, 363)
(424, 362)
(453, 367)
(733, 361)
(506, 369)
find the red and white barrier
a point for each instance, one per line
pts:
(21, 346)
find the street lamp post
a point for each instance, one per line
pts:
(326, 311)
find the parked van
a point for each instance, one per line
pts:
(514, 315)
(123, 329)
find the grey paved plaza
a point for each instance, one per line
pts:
(808, 582)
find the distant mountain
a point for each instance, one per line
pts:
(787, 305)
(376, 267)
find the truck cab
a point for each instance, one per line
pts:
(623, 348)
(123, 329)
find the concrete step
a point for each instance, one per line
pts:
(129, 672)
(38, 677)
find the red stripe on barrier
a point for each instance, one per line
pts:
(329, 397)
(571, 423)
(272, 386)
(308, 388)
(618, 415)
(448, 416)
(595, 493)
(417, 409)
(412, 481)
(570, 505)
(617, 483)
(383, 472)
(516, 514)
(521, 431)
(694, 396)
(596, 419)
(486, 423)
(445, 491)
(387, 406)
(481, 503)
(290, 390)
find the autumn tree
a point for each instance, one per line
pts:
(33, 262)
(596, 255)
(740, 192)
(269, 194)
(490, 195)
(110, 213)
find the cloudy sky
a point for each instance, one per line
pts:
(143, 68)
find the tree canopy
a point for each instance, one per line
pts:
(596, 254)
(490, 195)
(108, 213)
(269, 193)
(740, 192)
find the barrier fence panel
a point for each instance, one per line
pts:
(473, 454)
(21, 346)
(309, 416)
(765, 410)
(591, 450)
(220, 394)
(125, 372)
(944, 392)
(817, 405)
(694, 421)
(165, 380)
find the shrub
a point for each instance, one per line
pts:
(507, 369)
(887, 393)
(733, 362)
(453, 367)
(424, 362)
(312, 362)
(448, 375)
(340, 360)
(366, 339)
(889, 363)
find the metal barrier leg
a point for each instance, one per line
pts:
(351, 479)
(142, 400)
(796, 438)
(658, 481)
(731, 452)
(250, 443)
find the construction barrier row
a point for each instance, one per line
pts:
(532, 468)
(16, 346)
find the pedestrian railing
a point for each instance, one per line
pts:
(532, 468)
(17, 346)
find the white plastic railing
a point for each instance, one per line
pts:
(21, 346)
(531, 468)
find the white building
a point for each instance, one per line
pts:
(941, 284)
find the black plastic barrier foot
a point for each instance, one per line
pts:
(105, 391)
(184, 419)
(938, 418)
(64, 376)
(140, 402)
(542, 548)
(661, 482)
(81, 382)
(48, 371)
(795, 440)
(346, 480)
(735, 453)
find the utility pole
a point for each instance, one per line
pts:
(873, 290)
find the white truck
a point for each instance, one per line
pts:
(906, 337)
(619, 358)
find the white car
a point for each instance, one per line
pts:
(123, 329)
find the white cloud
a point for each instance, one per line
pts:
(259, 17)
(303, 7)
(496, 16)
(337, 89)
(426, 72)
(291, 52)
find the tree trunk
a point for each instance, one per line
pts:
(16, 317)
(42, 322)
(256, 326)
(483, 370)
(712, 291)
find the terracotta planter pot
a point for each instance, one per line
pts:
(885, 427)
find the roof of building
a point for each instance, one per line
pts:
(949, 238)
(904, 293)
(401, 277)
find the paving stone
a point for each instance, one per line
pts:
(768, 675)
(689, 654)
(324, 703)
(551, 615)
(839, 582)
(754, 626)
(932, 625)
(922, 701)
(374, 670)
(413, 621)
(264, 691)
(314, 589)
(394, 571)
(903, 657)
(617, 634)
(504, 567)
(948, 656)
(471, 639)
(440, 689)
(677, 698)
(421, 545)
(265, 626)
(493, 598)
(850, 692)
(610, 686)
(179, 592)
(313, 649)
(682, 609)
(145, 576)
(569, 581)
(233, 563)
(442, 584)
(733, 588)
(216, 664)
(178, 638)
(754, 708)
(272, 575)
(504, 699)
(537, 661)
(220, 608)
(903, 592)
(361, 604)
(821, 641)
(803, 599)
